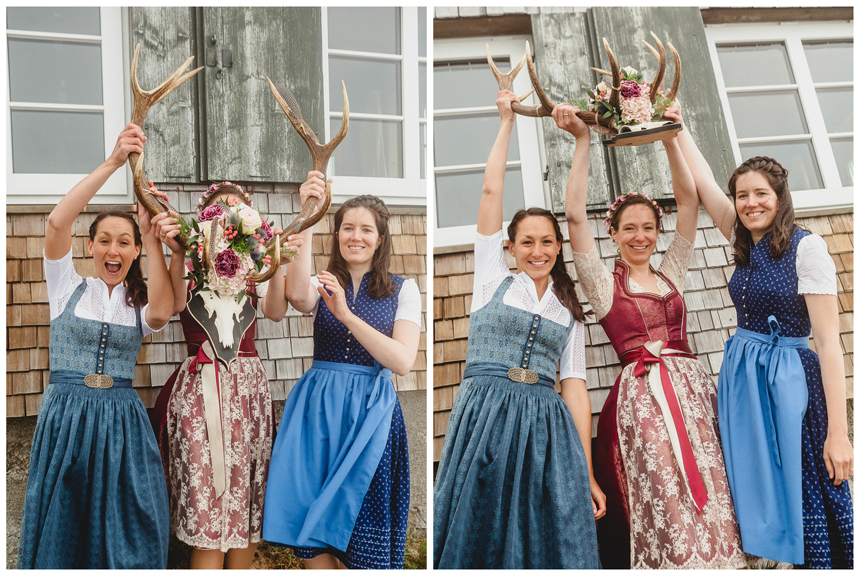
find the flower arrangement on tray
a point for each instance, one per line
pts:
(634, 105)
(227, 243)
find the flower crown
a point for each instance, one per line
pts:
(215, 187)
(623, 198)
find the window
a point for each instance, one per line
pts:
(465, 124)
(381, 56)
(66, 101)
(788, 93)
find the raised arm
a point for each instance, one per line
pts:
(297, 287)
(167, 229)
(718, 205)
(491, 209)
(576, 191)
(274, 304)
(58, 235)
(684, 188)
(159, 289)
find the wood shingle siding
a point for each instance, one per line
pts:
(711, 317)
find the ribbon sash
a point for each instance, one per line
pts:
(207, 365)
(651, 364)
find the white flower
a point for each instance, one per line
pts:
(250, 220)
(630, 70)
(602, 87)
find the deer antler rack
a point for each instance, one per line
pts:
(143, 101)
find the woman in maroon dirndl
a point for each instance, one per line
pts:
(658, 457)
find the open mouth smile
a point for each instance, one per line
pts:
(113, 267)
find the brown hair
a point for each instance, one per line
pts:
(632, 200)
(135, 294)
(381, 283)
(563, 285)
(223, 189)
(783, 226)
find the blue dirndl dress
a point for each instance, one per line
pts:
(339, 476)
(773, 422)
(512, 489)
(96, 496)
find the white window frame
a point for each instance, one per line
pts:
(528, 129)
(40, 189)
(411, 189)
(792, 35)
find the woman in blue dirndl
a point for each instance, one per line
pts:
(782, 407)
(338, 488)
(515, 487)
(96, 496)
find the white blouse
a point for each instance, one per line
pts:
(491, 269)
(408, 301)
(95, 303)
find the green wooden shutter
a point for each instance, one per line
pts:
(562, 60)
(248, 135)
(167, 39)
(645, 168)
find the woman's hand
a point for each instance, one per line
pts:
(838, 457)
(130, 140)
(598, 499)
(293, 242)
(565, 118)
(503, 103)
(336, 300)
(673, 112)
(166, 224)
(314, 187)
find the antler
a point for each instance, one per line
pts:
(677, 81)
(661, 68)
(320, 155)
(616, 76)
(143, 101)
(506, 81)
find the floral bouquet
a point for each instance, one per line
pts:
(634, 105)
(227, 244)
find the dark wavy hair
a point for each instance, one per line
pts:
(563, 285)
(381, 282)
(135, 294)
(783, 226)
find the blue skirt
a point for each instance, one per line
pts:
(96, 496)
(512, 489)
(339, 478)
(773, 424)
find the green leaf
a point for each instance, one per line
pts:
(607, 115)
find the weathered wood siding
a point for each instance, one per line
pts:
(167, 38)
(563, 60)
(248, 135)
(645, 168)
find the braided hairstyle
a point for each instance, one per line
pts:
(135, 294)
(563, 285)
(381, 283)
(614, 219)
(783, 226)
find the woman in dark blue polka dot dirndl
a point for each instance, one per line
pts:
(338, 487)
(782, 407)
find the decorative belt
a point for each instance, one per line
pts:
(649, 363)
(770, 364)
(105, 381)
(515, 374)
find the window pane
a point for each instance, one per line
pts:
(364, 29)
(830, 61)
(467, 139)
(759, 65)
(843, 150)
(797, 157)
(62, 20)
(458, 196)
(48, 142)
(372, 148)
(767, 114)
(466, 84)
(422, 90)
(373, 86)
(837, 105)
(422, 135)
(422, 31)
(55, 72)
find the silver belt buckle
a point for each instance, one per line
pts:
(98, 381)
(523, 375)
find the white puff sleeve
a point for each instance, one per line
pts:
(816, 272)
